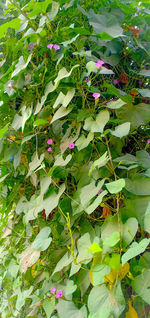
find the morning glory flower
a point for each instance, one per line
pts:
(31, 46)
(59, 294)
(99, 63)
(71, 145)
(50, 141)
(50, 46)
(96, 95)
(53, 290)
(56, 47)
(116, 81)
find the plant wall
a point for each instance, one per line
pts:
(74, 159)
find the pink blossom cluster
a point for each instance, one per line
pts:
(49, 142)
(53, 46)
(59, 294)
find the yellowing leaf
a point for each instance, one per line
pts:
(123, 270)
(131, 313)
(97, 259)
(112, 276)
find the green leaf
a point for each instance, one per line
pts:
(101, 162)
(49, 306)
(63, 262)
(14, 24)
(42, 242)
(137, 115)
(83, 142)
(115, 186)
(139, 185)
(145, 92)
(35, 163)
(64, 99)
(68, 309)
(103, 302)
(28, 257)
(145, 72)
(83, 245)
(113, 239)
(91, 67)
(21, 65)
(98, 273)
(121, 130)
(36, 8)
(3, 130)
(92, 207)
(61, 112)
(128, 229)
(141, 284)
(94, 248)
(114, 104)
(40, 122)
(147, 219)
(70, 288)
(134, 250)
(98, 124)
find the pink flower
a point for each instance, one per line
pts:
(99, 63)
(138, 8)
(86, 79)
(31, 46)
(3, 229)
(96, 95)
(50, 46)
(56, 47)
(68, 281)
(136, 15)
(116, 81)
(9, 85)
(148, 141)
(50, 141)
(100, 191)
(59, 294)
(53, 290)
(71, 145)
(49, 149)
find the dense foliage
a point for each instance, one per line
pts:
(74, 159)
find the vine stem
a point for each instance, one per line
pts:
(20, 10)
(117, 195)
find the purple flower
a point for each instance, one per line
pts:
(148, 141)
(50, 46)
(71, 145)
(3, 229)
(50, 141)
(86, 79)
(53, 290)
(99, 63)
(59, 294)
(116, 81)
(100, 191)
(56, 47)
(31, 46)
(68, 281)
(49, 149)
(96, 95)
(138, 8)
(136, 15)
